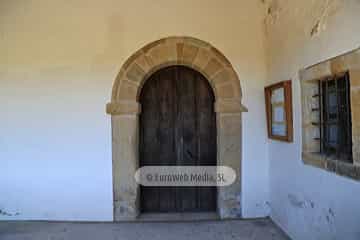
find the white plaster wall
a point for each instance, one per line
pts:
(57, 64)
(307, 202)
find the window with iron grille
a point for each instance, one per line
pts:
(335, 118)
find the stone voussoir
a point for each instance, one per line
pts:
(151, 45)
(221, 77)
(132, 59)
(202, 58)
(226, 90)
(220, 56)
(135, 73)
(224, 76)
(196, 42)
(143, 62)
(160, 53)
(213, 67)
(128, 90)
(189, 53)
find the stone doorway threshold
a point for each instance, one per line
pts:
(178, 217)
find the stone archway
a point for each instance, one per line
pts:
(125, 108)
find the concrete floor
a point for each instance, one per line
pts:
(261, 229)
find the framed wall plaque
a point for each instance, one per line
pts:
(278, 100)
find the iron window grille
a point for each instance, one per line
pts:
(335, 117)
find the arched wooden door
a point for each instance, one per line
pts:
(177, 128)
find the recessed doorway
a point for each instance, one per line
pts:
(177, 128)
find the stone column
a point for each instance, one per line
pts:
(229, 143)
(125, 137)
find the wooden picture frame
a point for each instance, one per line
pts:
(278, 100)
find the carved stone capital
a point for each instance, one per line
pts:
(229, 106)
(123, 107)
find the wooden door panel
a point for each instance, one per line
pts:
(177, 127)
(188, 142)
(207, 140)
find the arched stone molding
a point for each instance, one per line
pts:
(124, 108)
